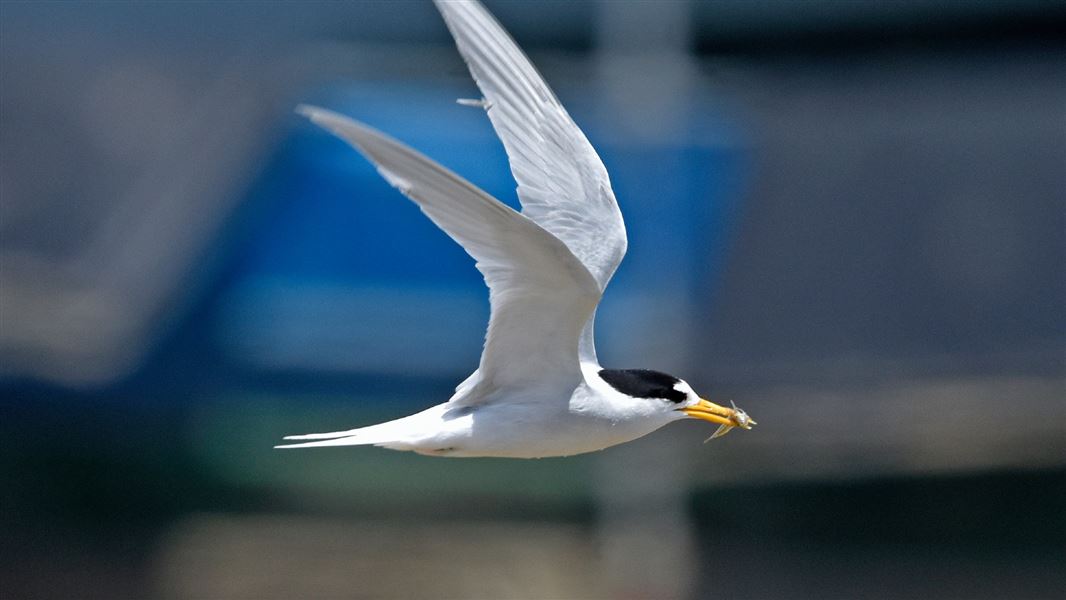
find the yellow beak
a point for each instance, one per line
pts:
(726, 418)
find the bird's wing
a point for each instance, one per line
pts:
(540, 293)
(562, 183)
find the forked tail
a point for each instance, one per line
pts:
(381, 434)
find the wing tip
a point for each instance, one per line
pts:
(340, 125)
(318, 115)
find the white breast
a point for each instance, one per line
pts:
(594, 417)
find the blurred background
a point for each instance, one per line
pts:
(847, 217)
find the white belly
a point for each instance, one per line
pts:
(531, 427)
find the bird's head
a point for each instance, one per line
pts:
(678, 397)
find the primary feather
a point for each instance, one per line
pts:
(562, 183)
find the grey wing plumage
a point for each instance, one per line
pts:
(541, 295)
(562, 183)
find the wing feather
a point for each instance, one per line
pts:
(541, 295)
(562, 183)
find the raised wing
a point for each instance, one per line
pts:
(562, 183)
(540, 294)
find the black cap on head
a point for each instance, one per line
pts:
(644, 383)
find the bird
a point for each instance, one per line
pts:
(538, 390)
